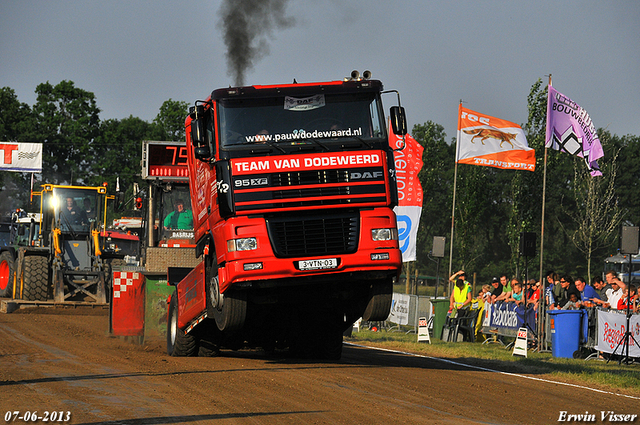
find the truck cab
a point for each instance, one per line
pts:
(292, 188)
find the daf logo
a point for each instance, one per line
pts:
(366, 175)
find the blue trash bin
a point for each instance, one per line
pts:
(565, 332)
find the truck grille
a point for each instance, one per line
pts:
(314, 235)
(317, 188)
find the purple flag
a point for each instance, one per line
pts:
(570, 129)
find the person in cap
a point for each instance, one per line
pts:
(497, 289)
(180, 219)
(461, 295)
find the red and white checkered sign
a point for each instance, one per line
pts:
(123, 279)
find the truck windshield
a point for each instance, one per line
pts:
(177, 218)
(301, 120)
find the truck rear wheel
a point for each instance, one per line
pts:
(7, 270)
(179, 344)
(379, 304)
(36, 278)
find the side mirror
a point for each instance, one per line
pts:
(201, 149)
(197, 132)
(202, 153)
(398, 121)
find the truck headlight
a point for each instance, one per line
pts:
(244, 244)
(384, 234)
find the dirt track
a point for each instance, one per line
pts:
(65, 361)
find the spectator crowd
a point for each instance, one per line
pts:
(561, 292)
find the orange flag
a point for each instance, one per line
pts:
(492, 142)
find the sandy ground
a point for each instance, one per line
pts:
(65, 361)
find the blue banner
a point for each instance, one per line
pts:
(508, 317)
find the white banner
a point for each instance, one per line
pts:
(400, 309)
(21, 157)
(408, 219)
(611, 329)
(486, 318)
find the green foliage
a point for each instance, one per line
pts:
(66, 122)
(170, 120)
(118, 150)
(436, 178)
(13, 119)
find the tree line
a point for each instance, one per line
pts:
(493, 206)
(78, 147)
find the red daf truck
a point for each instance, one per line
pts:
(292, 189)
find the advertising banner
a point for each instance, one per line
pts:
(21, 157)
(612, 326)
(399, 309)
(507, 318)
(408, 162)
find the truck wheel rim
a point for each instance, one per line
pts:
(214, 289)
(174, 328)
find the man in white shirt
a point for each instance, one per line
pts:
(614, 294)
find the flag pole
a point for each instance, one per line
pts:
(543, 281)
(453, 208)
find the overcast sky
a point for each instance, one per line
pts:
(134, 55)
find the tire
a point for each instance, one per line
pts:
(229, 310)
(35, 278)
(379, 304)
(231, 316)
(116, 262)
(7, 271)
(179, 344)
(209, 338)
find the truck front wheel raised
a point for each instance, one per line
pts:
(179, 344)
(229, 310)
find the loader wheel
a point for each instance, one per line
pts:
(35, 278)
(7, 269)
(179, 344)
(379, 304)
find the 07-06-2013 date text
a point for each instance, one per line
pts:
(46, 416)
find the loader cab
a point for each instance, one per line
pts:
(74, 210)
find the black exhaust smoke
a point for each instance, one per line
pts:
(246, 25)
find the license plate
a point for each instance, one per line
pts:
(325, 263)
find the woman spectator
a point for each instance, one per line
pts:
(535, 296)
(629, 299)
